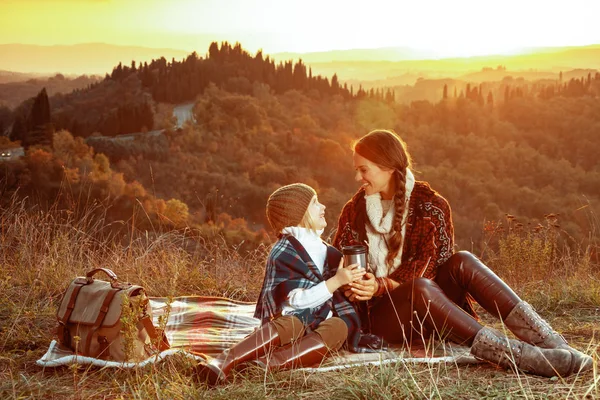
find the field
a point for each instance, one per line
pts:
(43, 250)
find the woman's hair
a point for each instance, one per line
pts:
(386, 149)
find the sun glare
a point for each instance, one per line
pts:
(443, 28)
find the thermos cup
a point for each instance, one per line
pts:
(355, 255)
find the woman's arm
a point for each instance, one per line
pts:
(434, 249)
(370, 287)
(435, 246)
(351, 223)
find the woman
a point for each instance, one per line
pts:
(417, 281)
(304, 317)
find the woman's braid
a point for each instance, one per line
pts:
(395, 243)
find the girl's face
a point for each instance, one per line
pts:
(316, 211)
(373, 178)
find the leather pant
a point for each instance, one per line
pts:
(421, 307)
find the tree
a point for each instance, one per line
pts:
(19, 129)
(335, 85)
(5, 119)
(490, 99)
(37, 128)
(445, 94)
(176, 212)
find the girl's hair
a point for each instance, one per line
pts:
(386, 149)
(308, 222)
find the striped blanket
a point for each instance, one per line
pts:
(202, 327)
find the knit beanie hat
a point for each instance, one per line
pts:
(288, 204)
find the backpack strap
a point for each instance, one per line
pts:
(101, 315)
(162, 343)
(63, 332)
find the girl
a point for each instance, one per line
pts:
(419, 284)
(304, 316)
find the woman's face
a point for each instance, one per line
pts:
(317, 213)
(373, 178)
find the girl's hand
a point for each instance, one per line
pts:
(344, 276)
(363, 289)
(349, 274)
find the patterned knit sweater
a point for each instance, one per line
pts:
(429, 237)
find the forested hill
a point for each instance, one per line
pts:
(528, 153)
(124, 101)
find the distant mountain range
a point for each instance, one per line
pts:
(396, 54)
(361, 64)
(538, 62)
(378, 54)
(10, 76)
(87, 58)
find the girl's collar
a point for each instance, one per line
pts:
(302, 233)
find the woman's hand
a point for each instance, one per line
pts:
(363, 289)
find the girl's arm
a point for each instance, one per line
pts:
(318, 294)
(313, 297)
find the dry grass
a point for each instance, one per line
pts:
(43, 251)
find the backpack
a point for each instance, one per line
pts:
(108, 320)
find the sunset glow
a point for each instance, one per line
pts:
(440, 28)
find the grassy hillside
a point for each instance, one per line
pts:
(43, 251)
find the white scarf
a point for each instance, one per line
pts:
(379, 230)
(312, 243)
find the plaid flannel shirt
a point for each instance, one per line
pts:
(290, 267)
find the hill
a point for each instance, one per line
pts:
(358, 64)
(10, 76)
(543, 61)
(585, 55)
(378, 54)
(526, 148)
(86, 58)
(15, 92)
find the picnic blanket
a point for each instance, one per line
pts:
(201, 327)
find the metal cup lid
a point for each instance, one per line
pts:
(356, 249)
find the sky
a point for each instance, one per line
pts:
(441, 27)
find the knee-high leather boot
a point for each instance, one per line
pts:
(528, 326)
(308, 351)
(495, 348)
(464, 274)
(439, 314)
(250, 348)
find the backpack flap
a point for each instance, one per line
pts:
(89, 301)
(69, 298)
(115, 308)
